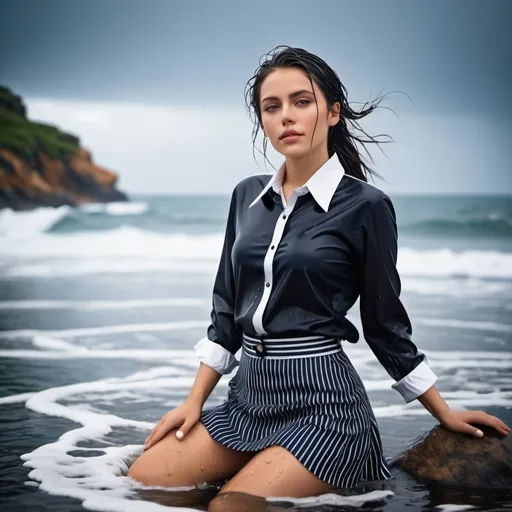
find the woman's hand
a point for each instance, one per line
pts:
(185, 416)
(460, 421)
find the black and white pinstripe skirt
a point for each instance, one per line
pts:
(302, 394)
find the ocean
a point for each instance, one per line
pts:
(100, 307)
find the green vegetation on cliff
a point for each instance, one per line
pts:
(24, 137)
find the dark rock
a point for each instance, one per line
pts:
(449, 457)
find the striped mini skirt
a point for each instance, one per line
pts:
(305, 395)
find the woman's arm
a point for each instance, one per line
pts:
(386, 325)
(186, 415)
(387, 328)
(204, 383)
(224, 337)
(459, 421)
(216, 352)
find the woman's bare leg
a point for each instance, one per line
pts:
(273, 472)
(196, 458)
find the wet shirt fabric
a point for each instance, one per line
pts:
(294, 268)
(288, 273)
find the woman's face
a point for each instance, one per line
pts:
(282, 109)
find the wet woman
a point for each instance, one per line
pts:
(301, 246)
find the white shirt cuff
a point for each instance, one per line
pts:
(215, 356)
(417, 382)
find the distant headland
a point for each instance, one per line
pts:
(43, 166)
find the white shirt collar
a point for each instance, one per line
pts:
(322, 184)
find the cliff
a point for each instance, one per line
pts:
(43, 166)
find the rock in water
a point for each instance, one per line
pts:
(461, 459)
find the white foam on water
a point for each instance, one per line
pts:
(335, 500)
(473, 288)
(98, 481)
(124, 242)
(131, 208)
(450, 263)
(108, 329)
(123, 505)
(18, 225)
(46, 342)
(129, 249)
(457, 365)
(150, 355)
(464, 324)
(93, 305)
(15, 399)
(67, 268)
(452, 507)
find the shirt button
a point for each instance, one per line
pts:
(267, 284)
(273, 247)
(259, 348)
(284, 216)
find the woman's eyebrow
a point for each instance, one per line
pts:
(291, 95)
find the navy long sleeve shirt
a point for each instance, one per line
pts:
(294, 268)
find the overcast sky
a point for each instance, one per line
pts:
(155, 89)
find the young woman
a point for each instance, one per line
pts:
(300, 247)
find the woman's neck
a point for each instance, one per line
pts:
(299, 170)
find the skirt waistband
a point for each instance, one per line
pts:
(290, 348)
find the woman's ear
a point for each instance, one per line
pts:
(335, 114)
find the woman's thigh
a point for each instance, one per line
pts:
(274, 472)
(196, 458)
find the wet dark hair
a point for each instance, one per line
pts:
(340, 140)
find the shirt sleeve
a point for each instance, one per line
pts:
(224, 337)
(386, 325)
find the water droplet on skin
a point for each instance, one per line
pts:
(178, 450)
(251, 472)
(269, 481)
(267, 461)
(282, 457)
(276, 453)
(202, 468)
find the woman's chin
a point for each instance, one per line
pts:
(294, 150)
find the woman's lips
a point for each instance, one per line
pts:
(291, 138)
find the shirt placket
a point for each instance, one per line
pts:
(268, 262)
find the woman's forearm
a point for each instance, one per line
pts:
(205, 382)
(434, 403)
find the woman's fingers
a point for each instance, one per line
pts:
(480, 417)
(167, 423)
(152, 433)
(496, 423)
(189, 422)
(466, 428)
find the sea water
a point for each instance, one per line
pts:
(100, 307)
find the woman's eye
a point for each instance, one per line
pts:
(269, 108)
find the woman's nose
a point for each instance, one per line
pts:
(286, 114)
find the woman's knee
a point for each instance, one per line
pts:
(157, 466)
(196, 458)
(139, 471)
